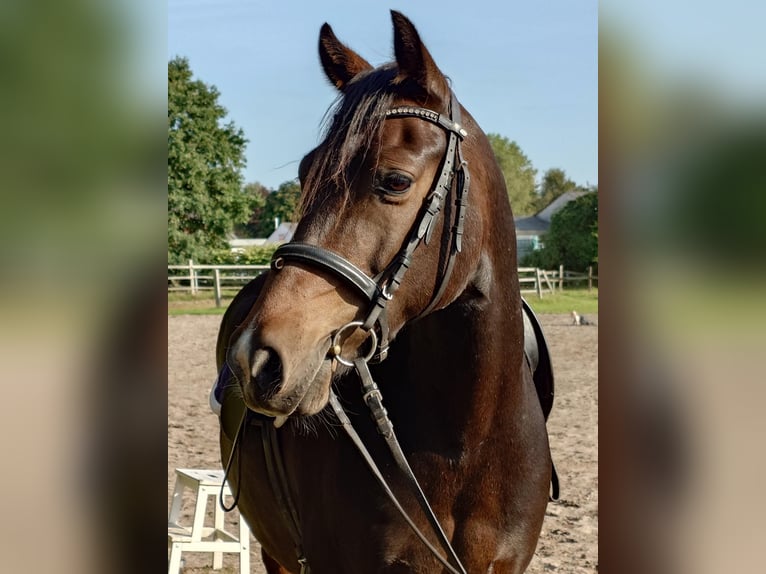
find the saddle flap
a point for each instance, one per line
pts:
(536, 350)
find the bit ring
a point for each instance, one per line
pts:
(336, 347)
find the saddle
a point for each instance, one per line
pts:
(538, 358)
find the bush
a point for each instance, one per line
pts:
(572, 239)
(260, 255)
(542, 258)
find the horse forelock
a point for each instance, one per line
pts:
(351, 126)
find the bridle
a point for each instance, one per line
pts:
(380, 290)
(377, 292)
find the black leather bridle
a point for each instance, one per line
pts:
(378, 291)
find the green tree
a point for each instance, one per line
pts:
(554, 183)
(282, 203)
(518, 172)
(257, 195)
(572, 238)
(205, 159)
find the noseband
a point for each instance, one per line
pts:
(380, 290)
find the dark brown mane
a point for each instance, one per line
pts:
(352, 124)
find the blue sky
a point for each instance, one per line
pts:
(525, 70)
(721, 46)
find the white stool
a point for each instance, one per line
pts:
(200, 538)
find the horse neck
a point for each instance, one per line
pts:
(462, 365)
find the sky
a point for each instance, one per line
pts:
(720, 46)
(525, 70)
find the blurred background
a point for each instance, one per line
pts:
(82, 249)
(682, 152)
(82, 308)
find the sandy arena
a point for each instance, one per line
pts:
(569, 539)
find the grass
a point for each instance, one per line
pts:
(581, 300)
(197, 311)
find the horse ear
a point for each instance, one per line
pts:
(340, 62)
(414, 61)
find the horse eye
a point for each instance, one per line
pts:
(394, 183)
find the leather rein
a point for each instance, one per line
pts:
(378, 292)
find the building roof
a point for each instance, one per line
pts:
(283, 233)
(531, 225)
(540, 222)
(556, 205)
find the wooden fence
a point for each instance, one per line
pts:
(541, 281)
(194, 279)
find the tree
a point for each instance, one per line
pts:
(554, 183)
(572, 239)
(257, 195)
(205, 159)
(518, 172)
(282, 203)
(268, 205)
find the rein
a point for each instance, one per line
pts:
(378, 292)
(374, 401)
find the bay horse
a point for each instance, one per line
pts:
(400, 278)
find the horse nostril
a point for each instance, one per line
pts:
(266, 370)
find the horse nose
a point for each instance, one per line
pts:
(266, 371)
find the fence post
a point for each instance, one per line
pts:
(561, 277)
(192, 278)
(590, 277)
(538, 283)
(217, 274)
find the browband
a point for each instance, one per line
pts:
(428, 115)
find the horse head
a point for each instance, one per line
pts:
(368, 207)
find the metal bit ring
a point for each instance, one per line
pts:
(336, 347)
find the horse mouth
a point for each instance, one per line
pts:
(305, 393)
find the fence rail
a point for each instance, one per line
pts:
(193, 278)
(189, 279)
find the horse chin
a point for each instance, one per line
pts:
(317, 392)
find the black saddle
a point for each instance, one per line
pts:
(538, 357)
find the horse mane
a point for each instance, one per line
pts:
(351, 125)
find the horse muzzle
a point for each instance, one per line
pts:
(273, 384)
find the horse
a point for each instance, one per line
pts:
(399, 277)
